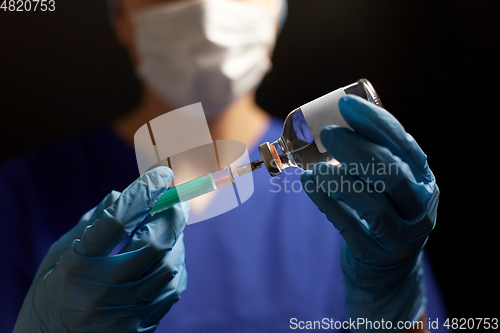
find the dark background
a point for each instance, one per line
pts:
(434, 64)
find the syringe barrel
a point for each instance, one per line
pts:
(184, 192)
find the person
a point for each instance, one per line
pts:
(273, 264)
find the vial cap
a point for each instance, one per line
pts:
(271, 159)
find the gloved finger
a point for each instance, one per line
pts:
(160, 235)
(62, 244)
(380, 127)
(96, 288)
(116, 269)
(372, 162)
(128, 211)
(174, 260)
(139, 291)
(163, 229)
(162, 303)
(105, 203)
(355, 231)
(145, 253)
(370, 204)
(343, 218)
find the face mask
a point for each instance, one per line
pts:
(212, 51)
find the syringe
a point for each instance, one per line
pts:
(202, 185)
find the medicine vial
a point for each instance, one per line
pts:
(300, 145)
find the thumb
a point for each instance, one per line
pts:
(128, 211)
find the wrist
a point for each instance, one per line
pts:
(393, 293)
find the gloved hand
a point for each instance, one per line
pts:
(383, 200)
(79, 288)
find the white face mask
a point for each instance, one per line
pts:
(211, 51)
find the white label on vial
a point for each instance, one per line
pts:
(322, 112)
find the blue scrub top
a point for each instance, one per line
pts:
(252, 269)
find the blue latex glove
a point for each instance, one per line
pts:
(79, 288)
(383, 200)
